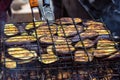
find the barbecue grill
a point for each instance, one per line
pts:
(61, 66)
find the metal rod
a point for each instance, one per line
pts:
(39, 48)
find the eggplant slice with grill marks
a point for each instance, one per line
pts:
(98, 28)
(88, 34)
(104, 52)
(91, 22)
(64, 48)
(87, 43)
(48, 58)
(69, 30)
(10, 64)
(105, 43)
(21, 53)
(60, 48)
(10, 30)
(54, 39)
(105, 47)
(20, 40)
(81, 56)
(45, 30)
(37, 24)
(67, 20)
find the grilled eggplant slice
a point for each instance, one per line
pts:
(20, 40)
(9, 63)
(10, 30)
(89, 34)
(69, 30)
(87, 43)
(60, 48)
(64, 48)
(104, 51)
(44, 30)
(67, 20)
(98, 28)
(81, 56)
(115, 55)
(105, 47)
(95, 27)
(37, 24)
(91, 22)
(54, 39)
(103, 32)
(21, 53)
(102, 43)
(48, 58)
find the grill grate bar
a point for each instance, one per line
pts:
(63, 69)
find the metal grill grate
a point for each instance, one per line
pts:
(24, 67)
(95, 71)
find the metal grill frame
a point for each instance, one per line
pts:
(51, 71)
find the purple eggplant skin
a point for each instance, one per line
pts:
(113, 56)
